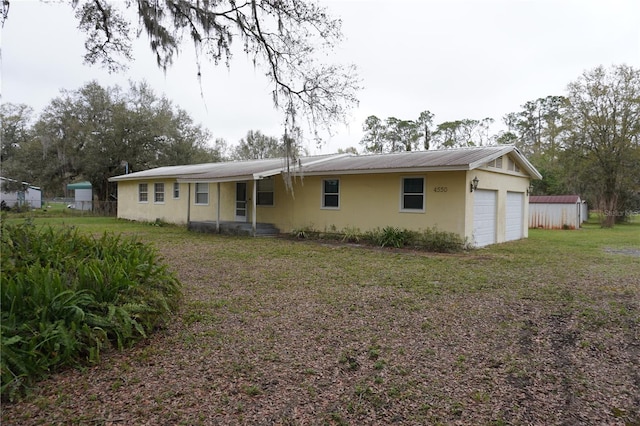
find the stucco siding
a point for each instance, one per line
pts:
(171, 210)
(369, 201)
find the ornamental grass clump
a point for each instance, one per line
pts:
(67, 296)
(432, 239)
(389, 236)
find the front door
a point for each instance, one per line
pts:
(241, 202)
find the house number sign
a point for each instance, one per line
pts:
(440, 189)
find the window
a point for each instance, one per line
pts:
(158, 189)
(413, 194)
(330, 193)
(143, 193)
(202, 193)
(265, 192)
(176, 190)
(497, 163)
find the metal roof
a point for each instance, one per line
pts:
(554, 199)
(217, 172)
(253, 169)
(437, 160)
(79, 185)
(26, 184)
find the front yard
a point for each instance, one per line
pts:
(282, 332)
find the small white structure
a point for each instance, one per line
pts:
(28, 194)
(584, 211)
(83, 197)
(556, 211)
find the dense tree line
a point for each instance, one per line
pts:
(585, 142)
(94, 133)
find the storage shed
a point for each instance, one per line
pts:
(26, 194)
(83, 197)
(556, 211)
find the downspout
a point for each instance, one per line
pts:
(255, 203)
(218, 209)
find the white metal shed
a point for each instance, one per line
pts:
(83, 197)
(556, 211)
(28, 194)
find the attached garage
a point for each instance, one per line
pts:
(514, 224)
(485, 214)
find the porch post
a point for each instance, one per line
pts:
(218, 209)
(255, 203)
(188, 203)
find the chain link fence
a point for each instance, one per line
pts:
(80, 208)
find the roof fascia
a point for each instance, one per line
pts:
(215, 180)
(381, 171)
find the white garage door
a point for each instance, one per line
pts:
(484, 217)
(515, 216)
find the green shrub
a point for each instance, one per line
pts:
(389, 236)
(351, 234)
(65, 296)
(432, 239)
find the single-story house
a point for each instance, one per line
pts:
(83, 195)
(480, 193)
(557, 211)
(27, 194)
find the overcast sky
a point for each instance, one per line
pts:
(457, 58)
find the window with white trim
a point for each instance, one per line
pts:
(158, 192)
(143, 193)
(264, 192)
(330, 193)
(412, 194)
(176, 190)
(202, 193)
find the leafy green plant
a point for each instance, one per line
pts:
(66, 296)
(304, 232)
(351, 234)
(390, 236)
(432, 239)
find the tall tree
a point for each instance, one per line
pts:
(537, 128)
(403, 135)
(95, 133)
(19, 154)
(258, 146)
(284, 37)
(424, 123)
(604, 121)
(374, 135)
(394, 134)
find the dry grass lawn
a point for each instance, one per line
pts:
(281, 332)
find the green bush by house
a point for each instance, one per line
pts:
(66, 296)
(430, 239)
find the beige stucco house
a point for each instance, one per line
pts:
(479, 193)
